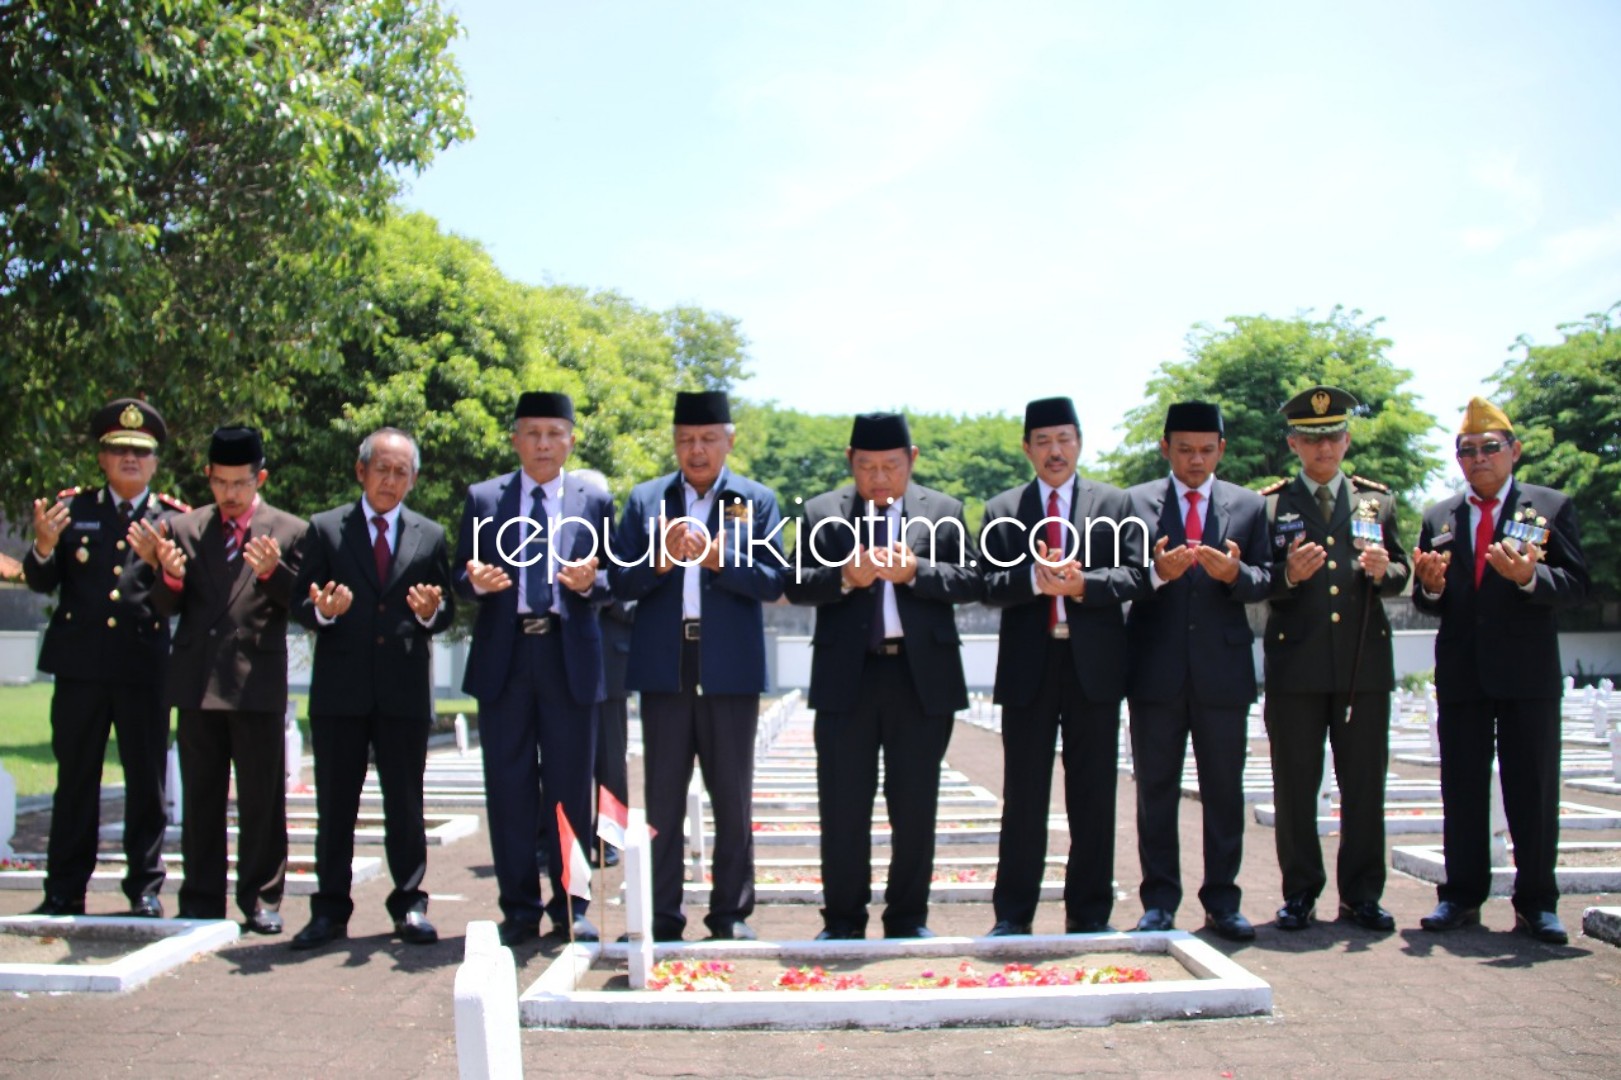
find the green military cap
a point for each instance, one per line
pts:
(1319, 410)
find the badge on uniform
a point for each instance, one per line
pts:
(1288, 526)
(82, 554)
(1440, 540)
(1527, 527)
(1366, 531)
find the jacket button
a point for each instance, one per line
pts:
(1333, 590)
(1330, 541)
(67, 616)
(1280, 637)
(1334, 617)
(111, 621)
(120, 545)
(1332, 565)
(113, 596)
(379, 639)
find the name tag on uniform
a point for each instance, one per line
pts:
(1288, 526)
(87, 524)
(1440, 541)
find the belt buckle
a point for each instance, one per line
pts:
(691, 630)
(536, 626)
(890, 648)
(1060, 631)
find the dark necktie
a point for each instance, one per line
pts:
(536, 589)
(1483, 535)
(1055, 548)
(1325, 503)
(880, 540)
(125, 512)
(379, 548)
(233, 544)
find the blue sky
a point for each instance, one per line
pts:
(964, 206)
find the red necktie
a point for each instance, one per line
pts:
(379, 548)
(1055, 550)
(1483, 535)
(1193, 526)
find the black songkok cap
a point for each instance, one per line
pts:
(708, 407)
(1194, 416)
(544, 404)
(1050, 412)
(880, 431)
(236, 446)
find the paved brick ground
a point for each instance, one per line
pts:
(1476, 1003)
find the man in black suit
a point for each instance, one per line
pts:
(1495, 563)
(883, 560)
(108, 649)
(1192, 670)
(373, 589)
(1329, 665)
(528, 554)
(1060, 666)
(228, 570)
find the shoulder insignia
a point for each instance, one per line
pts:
(1372, 485)
(68, 493)
(1273, 489)
(173, 503)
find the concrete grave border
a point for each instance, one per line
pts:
(300, 879)
(176, 941)
(1428, 863)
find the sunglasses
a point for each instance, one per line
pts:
(1488, 448)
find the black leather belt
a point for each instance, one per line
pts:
(537, 624)
(891, 647)
(691, 630)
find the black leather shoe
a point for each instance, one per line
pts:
(841, 932)
(1542, 925)
(513, 934)
(918, 931)
(1155, 919)
(1296, 913)
(415, 929)
(1368, 915)
(1009, 928)
(737, 930)
(320, 931)
(1450, 916)
(1230, 925)
(58, 905)
(1081, 926)
(147, 907)
(264, 921)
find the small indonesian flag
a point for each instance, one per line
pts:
(612, 818)
(576, 870)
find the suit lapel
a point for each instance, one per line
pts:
(357, 536)
(1215, 519)
(405, 548)
(1168, 511)
(506, 508)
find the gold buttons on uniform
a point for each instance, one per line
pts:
(113, 596)
(1330, 541)
(1332, 565)
(120, 545)
(111, 622)
(1335, 617)
(1333, 590)
(1280, 637)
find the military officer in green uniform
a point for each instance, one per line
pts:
(108, 649)
(1329, 667)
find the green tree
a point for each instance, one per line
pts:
(1565, 402)
(183, 185)
(1251, 366)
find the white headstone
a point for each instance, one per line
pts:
(8, 811)
(637, 859)
(1499, 820)
(1325, 799)
(487, 1033)
(695, 829)
(293, 746)
(1615, 754)
(172, 800)
(1570, 684)
(461, 734)
(1433, 722)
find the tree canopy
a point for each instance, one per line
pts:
(1565, 403)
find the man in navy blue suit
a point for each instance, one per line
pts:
(1192, 666)
(697, 549)
(527, 554)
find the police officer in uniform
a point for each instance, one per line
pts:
(1329, 666)
(108, 650)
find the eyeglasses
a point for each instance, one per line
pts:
(132, 451)
(1486, 449)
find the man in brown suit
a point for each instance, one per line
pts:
(228, 571)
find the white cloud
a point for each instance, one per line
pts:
(1574, 249)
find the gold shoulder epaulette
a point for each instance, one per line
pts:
(68, 493)
(1273, 489)
(1363, 481)
(173, 503)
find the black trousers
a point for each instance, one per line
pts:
(211, 742)
(1159, 742)
(535, 735)
(82, 715)
(1296, 725)
(342, 745)
(1525, 736)
(719, 730)
(1091, 768)
(889, 721)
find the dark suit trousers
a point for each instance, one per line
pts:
(534, 736)
(891, 721)
(1091, 766)
(1527, 745)
(341, 745)
(82, 714)
(719, 729)
(211, 741)
(1159, 741)
(1296, 725)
